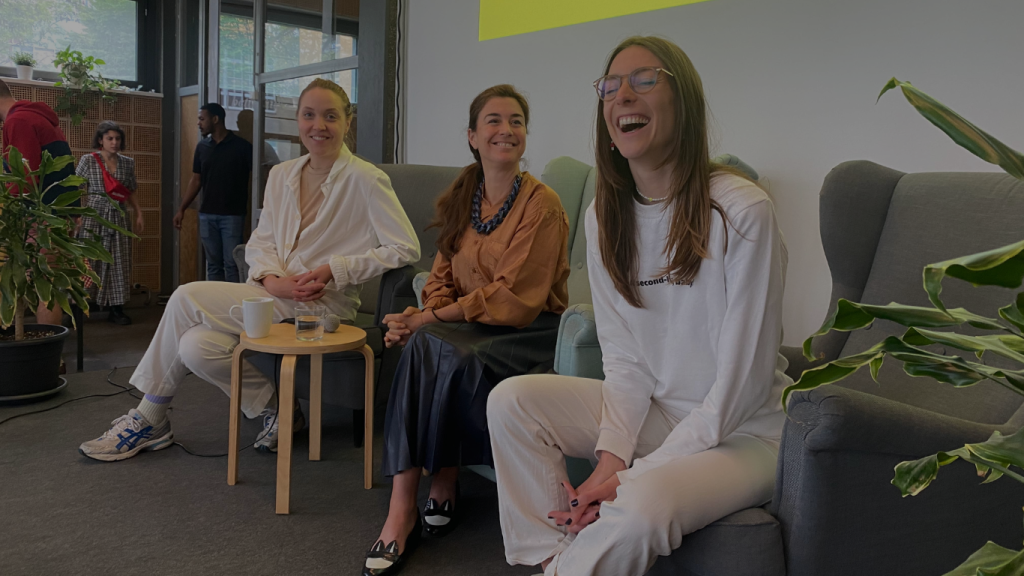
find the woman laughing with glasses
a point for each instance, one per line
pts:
(687, 266)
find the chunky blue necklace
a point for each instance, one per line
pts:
(486, 228)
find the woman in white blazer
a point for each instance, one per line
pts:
(330, 222)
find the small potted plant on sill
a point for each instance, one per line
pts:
(82, 83)
(24, 62)
(41, 261)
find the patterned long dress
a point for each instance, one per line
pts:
(115, 287)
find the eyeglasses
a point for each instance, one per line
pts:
(641, 80)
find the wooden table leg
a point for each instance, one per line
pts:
(316, 372)
(286, 416)
(368, 420)
(235, 419)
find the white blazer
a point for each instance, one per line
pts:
(361, 230)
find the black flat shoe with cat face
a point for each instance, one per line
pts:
(385, 560)
(439, 519)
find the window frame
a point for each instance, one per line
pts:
(147, 37)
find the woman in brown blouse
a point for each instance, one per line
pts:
(491, 311)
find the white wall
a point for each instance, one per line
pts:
(791, 83)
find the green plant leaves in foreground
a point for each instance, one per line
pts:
(1002, 266)
(967, 135)
(919, 362)
(850, 316)
(992, 560)
(992, 458)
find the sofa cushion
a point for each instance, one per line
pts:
(745, 543)
(934, 217)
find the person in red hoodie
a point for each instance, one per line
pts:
(32, 127)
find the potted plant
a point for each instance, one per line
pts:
(82, 83)
(24, 62)
(40, 262)
(996, 457)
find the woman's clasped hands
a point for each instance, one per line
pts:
(585, 501)
(304, 287)
(401, 326)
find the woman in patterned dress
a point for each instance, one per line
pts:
(115, 288)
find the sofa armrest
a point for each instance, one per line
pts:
(797, 363)
(238, 255)
(417, 286)
(578, 352)
(833, 491)
(397, 292)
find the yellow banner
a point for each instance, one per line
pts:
(500, 18)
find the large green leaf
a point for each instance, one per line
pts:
(917, 362)
(1007, 346)
(69, 196)
(113, 226)
(992, 560)
(1002, 266)
(8, 298)
(15, 163)
(62, 299)
(850, 316)
(1014, 313)
(43, 288)
(997, 453)
(975, 140)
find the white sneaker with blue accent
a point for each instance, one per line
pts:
(267, 440)
(129, 435)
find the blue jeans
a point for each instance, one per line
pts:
(220, 235)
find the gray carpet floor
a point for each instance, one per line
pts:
(168, 512)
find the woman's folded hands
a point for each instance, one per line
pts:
(304, 287)
(585, 501)
(401, 326)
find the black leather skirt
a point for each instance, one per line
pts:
(437, 411)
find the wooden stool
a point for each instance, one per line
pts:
(281, 340)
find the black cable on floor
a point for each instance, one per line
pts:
(65, 403)
(129, 391)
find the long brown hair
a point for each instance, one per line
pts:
(690, 199)
(453, 208)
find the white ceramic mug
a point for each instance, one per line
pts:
(257, 315)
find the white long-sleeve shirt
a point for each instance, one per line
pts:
(706, 353)
(361, 230)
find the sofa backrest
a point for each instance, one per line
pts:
(573, 181)
(417, 187)
(913, 220)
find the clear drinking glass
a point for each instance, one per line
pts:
(309, 322)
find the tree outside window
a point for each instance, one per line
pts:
(106, 29)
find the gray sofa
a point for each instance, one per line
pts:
(834, 511)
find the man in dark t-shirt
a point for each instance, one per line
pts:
(220, 168)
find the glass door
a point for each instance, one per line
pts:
(190, 264)
(268, 51)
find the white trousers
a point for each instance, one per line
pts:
(197, 335)
(536, 420)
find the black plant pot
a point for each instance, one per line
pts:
(30, 369)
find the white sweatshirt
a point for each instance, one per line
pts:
(706, 353)
(361, 230)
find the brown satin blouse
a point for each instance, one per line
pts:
(519, 270)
